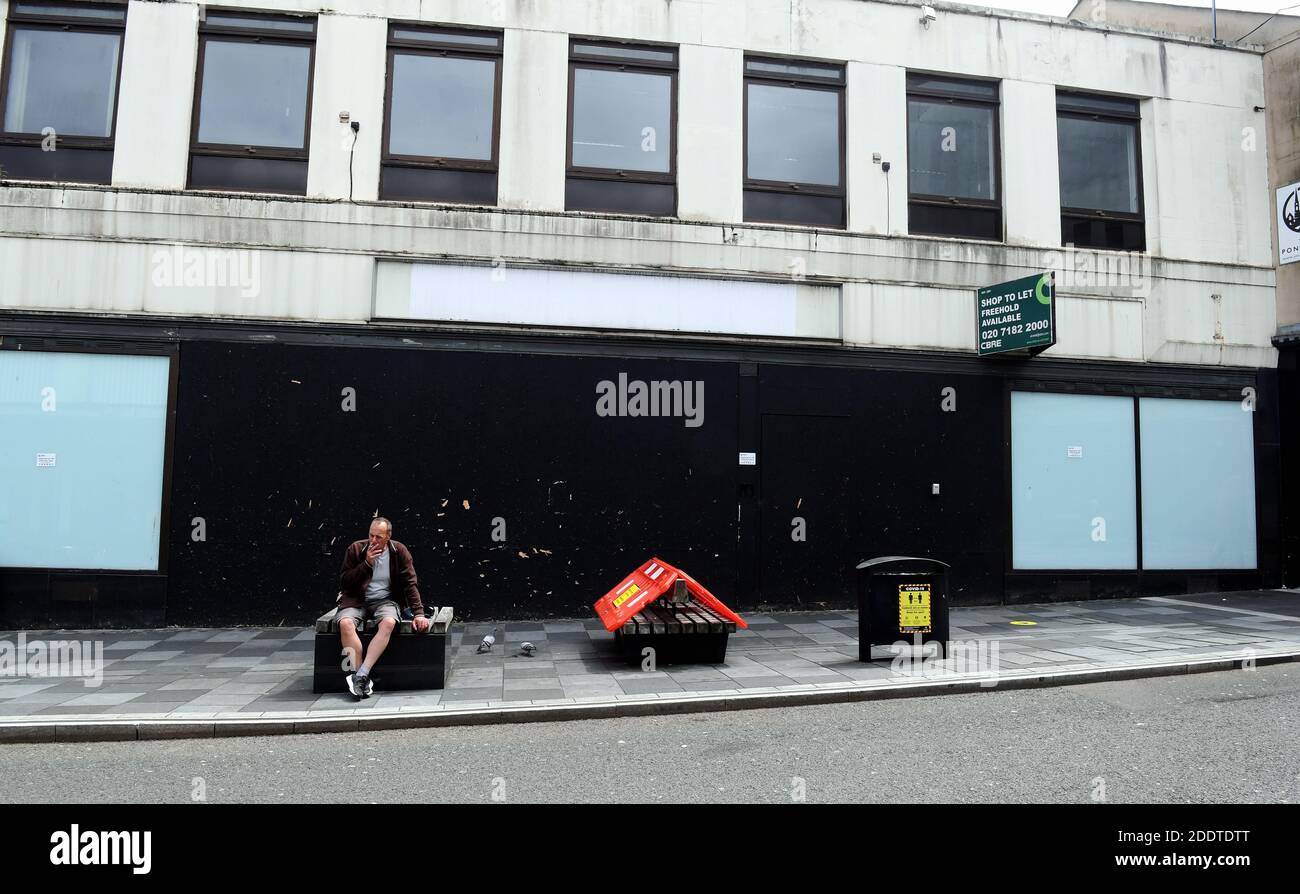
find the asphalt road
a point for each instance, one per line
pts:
(1223, 737)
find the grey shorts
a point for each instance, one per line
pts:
(378, 611)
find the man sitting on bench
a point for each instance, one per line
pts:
(373, 570)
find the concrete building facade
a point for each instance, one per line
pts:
(781, 209)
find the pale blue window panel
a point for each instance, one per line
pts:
(1073, 482)
(82, 438)
(1198, 484)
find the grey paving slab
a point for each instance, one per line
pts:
(529, 673)
(223, 698)
(701, 675)
(755, 682)
(72, 713)
(553, 627)
(815, 678)
(189, 683)
(240, 688)
(234, 636)
(13, 690)
(531, 695)
(190, 636)
(641, 687)
(21, 709)
(95, 699)
(471, 693)
(171, 695)
(531, 685)
(155, 655)
(142, 706)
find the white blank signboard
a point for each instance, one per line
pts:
(533, 296)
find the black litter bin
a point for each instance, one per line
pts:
(899, 598)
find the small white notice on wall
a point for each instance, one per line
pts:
(44, 460)
(749, 459)
(1074, 453)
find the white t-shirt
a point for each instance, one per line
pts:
(379, 587)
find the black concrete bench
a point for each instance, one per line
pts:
(679, 629)
(411, 661)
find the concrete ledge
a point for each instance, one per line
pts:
(90, 730)
(73, 731)
(169, 729)
(324, 725)
(253, 727)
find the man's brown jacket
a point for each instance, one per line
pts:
(356, 574)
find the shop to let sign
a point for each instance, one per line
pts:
(1019, 315)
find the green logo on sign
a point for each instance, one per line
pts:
(1043, 291)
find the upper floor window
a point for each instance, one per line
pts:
(622, 132)
(442, 114)
(794, 142)
(1100, 157)
(59, 93)
(252, 107)
(952, 158)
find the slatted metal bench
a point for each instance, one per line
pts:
(679, 629)
(411, 661)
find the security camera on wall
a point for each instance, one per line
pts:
(928, 15)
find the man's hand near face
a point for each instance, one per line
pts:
(374, 551)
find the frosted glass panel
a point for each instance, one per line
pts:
(1198, 484)
(1073, 483)
(81, 459)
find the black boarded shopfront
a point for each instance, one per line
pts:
(464, 442)
(1288, 374)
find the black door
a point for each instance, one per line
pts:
(808, 526)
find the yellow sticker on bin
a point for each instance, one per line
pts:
(914, 608)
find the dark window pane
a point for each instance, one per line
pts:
(787, 207)
(67, 164)
(950, 150)
(421, 184)
(1103, 105)
(442, 107)
(254, 94)
(658, 199)
(469, 41)
(1121, 235)
(969, 89)
(279, 175)
(92, 13)
(66, 80)
(622, 120)
(938, 220)
(1099, 164)
(794, 70)
(633, 54)
(793, 134)
(303, 26)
